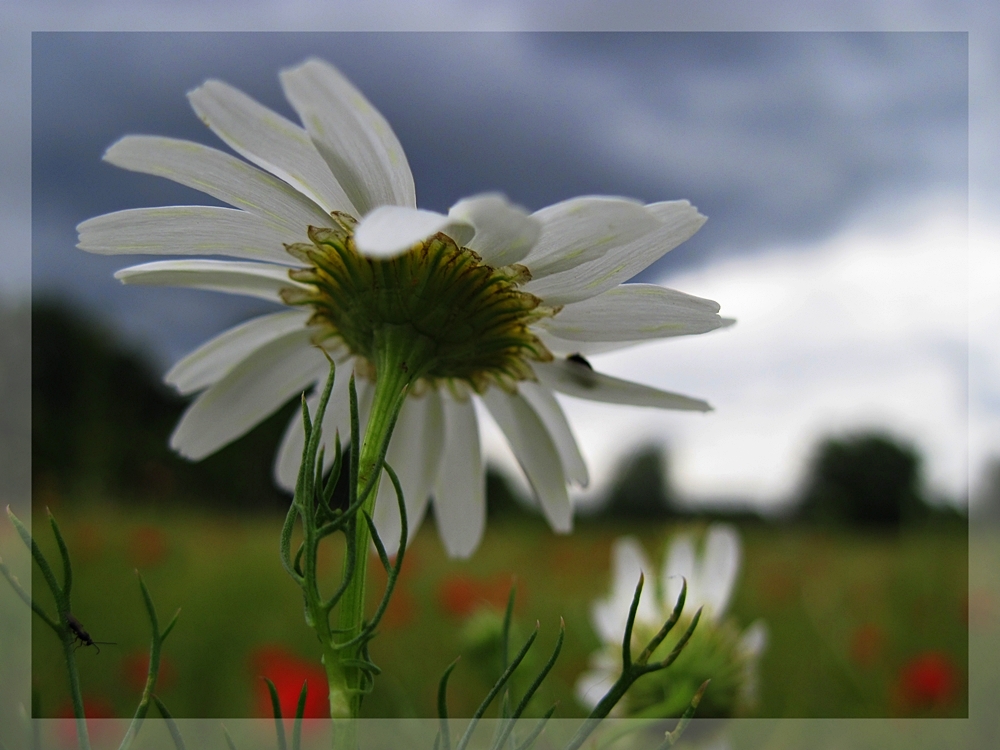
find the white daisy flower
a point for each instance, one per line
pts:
(717, 650)
(486, 302)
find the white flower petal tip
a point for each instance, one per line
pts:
(753, 641)
(720, 565)
(354, 139)
(270, 141)
(633, 312)
(504, 233)
(392, 230)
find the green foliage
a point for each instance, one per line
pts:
(868, 479)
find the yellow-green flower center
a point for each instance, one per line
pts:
(460, 319)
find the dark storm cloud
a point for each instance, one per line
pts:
(776, 137)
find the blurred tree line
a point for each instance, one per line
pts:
(863, 480)
(101, 419)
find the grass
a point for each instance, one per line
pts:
(849, 614)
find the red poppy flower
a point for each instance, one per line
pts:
(288, 672)
(929, 679)
(95, 709)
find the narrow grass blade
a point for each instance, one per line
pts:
(533, 735)
(175, 732)
(279, 724)
(629, 624)
(680, 644)
(509, 727)
(507, 617)
(300, 711)
(672, 737)
(26, 597)
(43, 564)
(657, 639)
(467, 736)
(63, 553)
(444, 733)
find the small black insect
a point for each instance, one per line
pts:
(583, 374)
(82, 635)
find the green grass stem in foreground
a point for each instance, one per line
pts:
(71, 633)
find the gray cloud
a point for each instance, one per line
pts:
(777, 137)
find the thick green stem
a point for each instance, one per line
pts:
(399, 363)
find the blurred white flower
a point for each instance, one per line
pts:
(486, 301)
(716, 650)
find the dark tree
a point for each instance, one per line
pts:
(867, 479)
(640, 489)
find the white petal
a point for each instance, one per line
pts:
(217, 356)
(679, 220)
(222, 176)
(752, 644)
(267, 139)
(460, 488)
(593, 685)
(719, 567)
(336, 420)
(578, 380)
(547, 408)
(679, 565)
(232, 277)
(581, 229)
(536, 452)
(251, 391)
(753, 641)
(415, 455)
(186, 230)
(610, 615)
(632, 312)
(351, 135)
(391, 230)
(505, 233)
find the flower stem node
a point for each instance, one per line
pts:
(449, 315)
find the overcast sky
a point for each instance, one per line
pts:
(776, 137)
(799, 147)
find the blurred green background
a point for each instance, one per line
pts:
(863, 584)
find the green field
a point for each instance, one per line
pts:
(850, 615)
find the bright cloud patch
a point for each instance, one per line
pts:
(866, 330)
